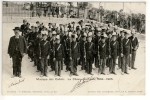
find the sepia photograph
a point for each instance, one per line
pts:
(73, 48)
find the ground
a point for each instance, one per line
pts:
(31, 83)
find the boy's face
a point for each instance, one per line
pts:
(109, 36)
(133, 35)
(57, 41)
(103, 40)
(44, 37)
(74, 39)
(114, 38)
(122, 34)
(66, 33)
(33, 29)
(84, 38)
(54, 37)
(89, 39)
(98, 34)
(39, 36)
(36, 30)
(126, 36)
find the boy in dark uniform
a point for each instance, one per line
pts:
(103, 52)
(67, 49)
(37, 50)
(82, 52)
(75, 52)
(121, 58)
(108, 41)
(58, 56)
(44, 54)
(114, 46)
(135, 45)
(23, 27)
(52, 43)
(90, 50)
(126, 52)
(96, 41)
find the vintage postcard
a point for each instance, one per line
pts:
(73, 48)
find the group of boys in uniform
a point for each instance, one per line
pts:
(91, 45)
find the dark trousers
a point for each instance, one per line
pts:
(17, 59)
(44, 66)
(30, 54)
(121, 63)
(52, 64)
(74, 66)
(133, 56)
(108, 62)
(62, 64)
(38, 63)
(102, 66)
(126, 62)
(67, 62)
(58, 66)
(89, 66)
(83, 63)
(96, 61)
(113, 64)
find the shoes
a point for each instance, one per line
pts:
(66, 71)
(51, 70)
(59, 75)
(114, 73)
(75, 74)
(103, 73)
(134, 68)
(20, 76)
(45, 75)
(91, 74)
(37, 71)
(126, 73)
